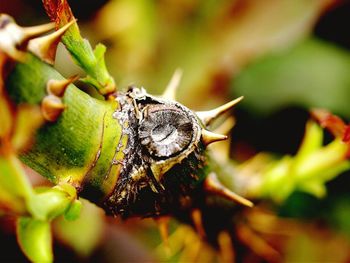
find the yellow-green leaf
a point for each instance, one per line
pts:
(35, 240)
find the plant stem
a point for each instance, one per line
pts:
(79, 147)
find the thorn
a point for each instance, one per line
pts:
(12, 52)
(163, 225)
(13, 36)
(35, 31)
(196, 216)
(212, 185)
(208, 116)
(52, 107)
(45, 47)
(170, 90)
(58, 87)
(210, 137)
(22, 34)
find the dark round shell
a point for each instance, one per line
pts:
(165, 131)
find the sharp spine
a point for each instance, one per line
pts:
(170, 91)
(45, 47)
(210, 137)
(58, 87)
(52, 107)
(13, 37)
(13, 53)
(35, 31)
(21, 34)
(212, 185)
(208, 116)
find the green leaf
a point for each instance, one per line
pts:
(312, 140)
(277, 182)
(319, 164)
(35, 240)
(99, 52)
(49, 203)
(314, 188)
(84, 233)
(15, 189)
(311, 74)
(74, 210)
(309, 170)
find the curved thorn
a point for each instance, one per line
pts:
(212, 185)
(58, 87)
(208, 116)
(52, 107)
(45, 47)
(196, 216)
(210, 137)
(170, 90)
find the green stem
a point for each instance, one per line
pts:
(80, 145)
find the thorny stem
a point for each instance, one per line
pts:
(92, 61)
(66, 150)
(84, 147)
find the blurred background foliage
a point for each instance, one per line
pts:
(284, 56)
